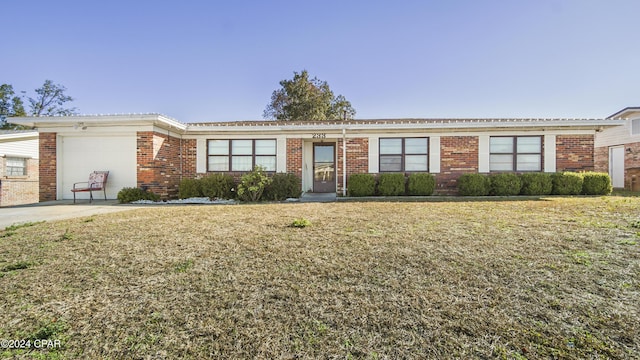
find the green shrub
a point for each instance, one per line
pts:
(127, 195)
(283, 186)
(567, 183)
(536, 184)
(474, 185)
(594, 183)
(252, 184)
(421, 184)
(189, 188)
(505, 184)
(218, 186)
(361, 185)
(300, 223)
(391, 184)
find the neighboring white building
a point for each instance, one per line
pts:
(18, 167)
(617, 149)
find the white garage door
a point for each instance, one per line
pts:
(79, 156)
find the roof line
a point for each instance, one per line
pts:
(622, 111)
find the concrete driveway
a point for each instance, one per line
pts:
(58, 210)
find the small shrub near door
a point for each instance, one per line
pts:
(594, 183)
(474, 185)
(421, 184)
(567, 183)
(536, 184)
(218, 186)
(127, 195)
(283, 186)
(361, 185)
(391, 184)
(505, 184)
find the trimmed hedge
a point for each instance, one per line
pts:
(283, 186)
(474, 184)
(536, 184)
(594, 183)
(391, 184)
(567, 183)
(421, 184)
(361, 185)
(127, 195)
(505, 184)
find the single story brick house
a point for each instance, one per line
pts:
(18, 167)
(156, 152)
(617, 149)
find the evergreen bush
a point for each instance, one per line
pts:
(391, 184)
(567, 183)
(536, 184)
(505, 184)
(283, 186)
(218, 186)
(361, 185)
(189, 188)
(127, 195)
(421, 184)
(474, 184)
(594, 183)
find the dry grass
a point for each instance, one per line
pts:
(557, 278)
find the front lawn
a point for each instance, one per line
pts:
(554, 278)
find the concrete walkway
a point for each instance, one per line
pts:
(58, 210)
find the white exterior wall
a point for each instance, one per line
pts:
(22, 148)
(617, 135)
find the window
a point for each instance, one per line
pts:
(404, 154)
(16, 166)
(635, 127)
(515, 153)
(241, 155)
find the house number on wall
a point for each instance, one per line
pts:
(319, 136)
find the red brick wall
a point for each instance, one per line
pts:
(47, 166)
(601, 159)
(357, 158)
(158, 163)
(18, 190)
(189, 158)
(458, 155)
(294, 156)
(574, 153)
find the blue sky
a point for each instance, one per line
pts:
(200, 61)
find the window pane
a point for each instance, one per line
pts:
(415, 163)
(529, 163)
(529, 144)
(502, 145)
(218, 147)
(635, 126)
(391, 163)
(241, 163)
(415, 146)
(241, 147)
(390, 146)
(265, 147)
(501, 163)
(218, 163)
(268, 162)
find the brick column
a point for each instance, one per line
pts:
(294, 157)
(574, 153)
(458, 155)
(48, 166)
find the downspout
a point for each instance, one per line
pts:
(344, 161)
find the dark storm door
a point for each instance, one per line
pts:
(324, 168)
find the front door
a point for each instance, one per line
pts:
(324, 168)
(616, 166)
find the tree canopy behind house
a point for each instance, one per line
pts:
(302, 98)
(50, 100)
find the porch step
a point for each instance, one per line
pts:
(318, 197)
